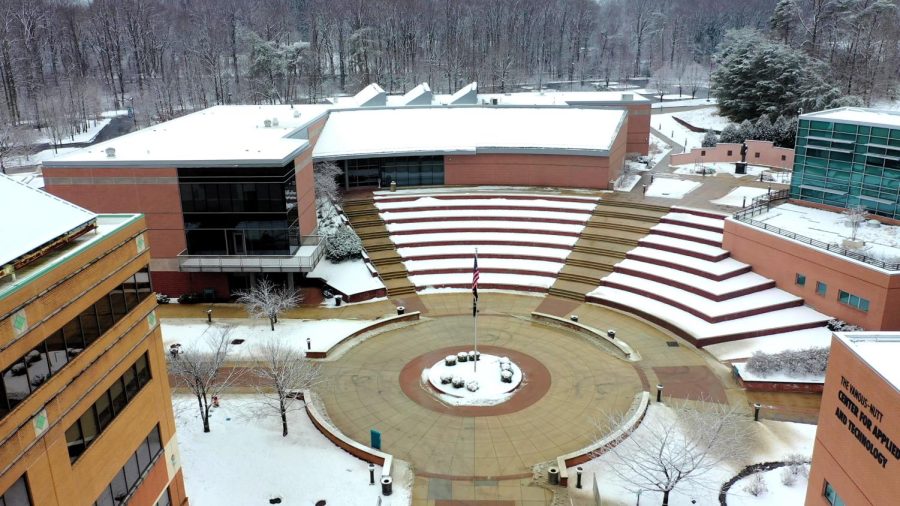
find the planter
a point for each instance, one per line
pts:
(506, 376)
(450, 360)
(462, 357)
(446, 379)
(458, 382)
(472, 386)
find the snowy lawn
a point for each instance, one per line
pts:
(491, 390)
(87, 136)
(323, 334)
(244, 460)
(487, 200)
(707, 118)
(777, 493)
(716, 168)
(690, 102)
(740, 196)
(671, 188)
(881, 241)
(674, 130)
(349, 277)
(772, 441)
(37, 158)
(773, 343)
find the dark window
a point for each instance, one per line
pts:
(729, 152)
(756, 155)
(821, 288)
(154, 442)
(800, 279)
(143, 455)
(74, 441)
(831, 495)
(143, 370)
(15, 382)
(17, 494)
(119, 487)
(165, 499)
(783, 158)
(853, 300)
(107, 407)
(132, 471)
(90, 327)
(119, 491)
(56, 351)
(703, 152)
(105, 498)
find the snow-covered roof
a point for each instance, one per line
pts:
(858, 116)
(552, 97)
(468, 130)
(217, 136)
(33, 218)
(881, 350)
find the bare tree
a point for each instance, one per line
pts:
(201, 369)
(855, 216)
(268, 300)
(665, 452)
(14, 142)
(283, 373)
(327, 187)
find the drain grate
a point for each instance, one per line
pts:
(672, 344)
(237, 341)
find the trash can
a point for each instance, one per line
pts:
(400, 310)
(553, 475)
(386, 485)
(337, 300)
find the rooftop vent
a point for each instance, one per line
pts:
(110, 152)
(627, 96)
(275, 122)
(296, 113)
(267, 123)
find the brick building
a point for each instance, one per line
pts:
(85, 409)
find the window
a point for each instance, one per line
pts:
(130, 476)
(821, 288)
(783, 158)
(756, 155)
(800, 279)
(831, 495)
(853, 300)
(110, 404)
(29, 372)
(729, 152)
(702, 152)
(17, 494)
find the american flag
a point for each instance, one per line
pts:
(475, 278)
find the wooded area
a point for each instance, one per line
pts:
(66, 60)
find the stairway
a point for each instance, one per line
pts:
(371, 229)
(613, 229)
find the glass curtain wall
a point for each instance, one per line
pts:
(240, 211)
(845, 165)
(405, 171)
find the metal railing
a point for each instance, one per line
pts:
(310, 252)
(763, 203)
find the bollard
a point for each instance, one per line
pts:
(745, 202)
(645, 189)
(553, 475)
(611, 334)
(308, 343)
(393, 186)
(386, 488)
(574, 317)
(756, 408)
(337, 300)
(651, 178)
(209, 316)
(659, 388)
(371, 474)
(578, 471)
(400, 310)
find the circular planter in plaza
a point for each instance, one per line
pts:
(491, 382)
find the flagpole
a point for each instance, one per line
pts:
(475, 311)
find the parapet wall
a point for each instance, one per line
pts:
(758, 153)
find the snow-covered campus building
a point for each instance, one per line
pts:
(85, 405)
(857, 446)
(228, 192)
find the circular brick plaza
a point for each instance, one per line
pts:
(570, 384)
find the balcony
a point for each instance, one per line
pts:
(304, 260)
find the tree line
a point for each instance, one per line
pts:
(65, 60)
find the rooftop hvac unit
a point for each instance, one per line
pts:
(274, 122)
(267, 123)
(110, 152)
(627, 96)
(296, 114)
(494, 101)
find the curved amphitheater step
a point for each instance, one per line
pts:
(680, 277)
(523, 238)
(371, 229)
(614, 229)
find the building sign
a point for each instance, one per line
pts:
(20, 322)
(141, 243)
(863, 422)
(40, 422)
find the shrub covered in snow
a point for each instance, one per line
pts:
(458, 382)
(842, 326)
(462, 356)
(505, 366)
(709, 139)
(342, 244)
(756, 486)
(788, 478)
(446, 379)
(806, 362)
(472, 386)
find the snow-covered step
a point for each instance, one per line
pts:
(735, 286)
(486, 237)
(452, 193)
(484, 264)
(494, 226)
(819, 337)
(694, 221)
(683, 247)
(468, 251)
(702, 332)
(519, 214)
(718, 271)
(431, 203)
(688, 233)
(486, 280)
(772, 299)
